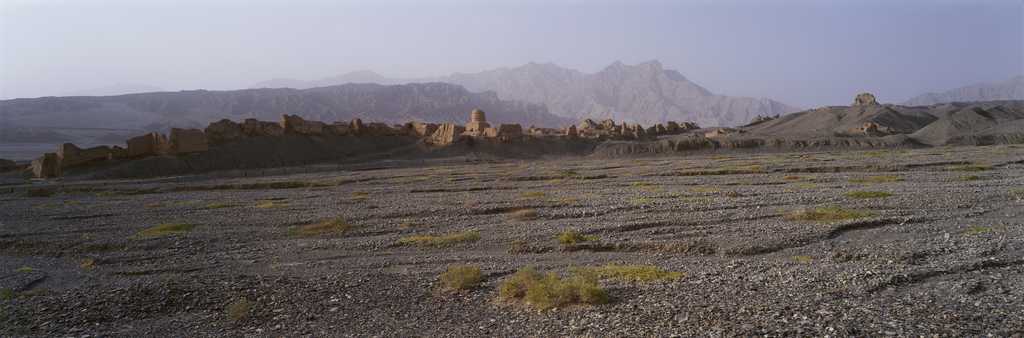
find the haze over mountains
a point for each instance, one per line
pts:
(112, 118)
(1012, 89)
(644, 93)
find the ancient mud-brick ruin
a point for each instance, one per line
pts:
(428, 135)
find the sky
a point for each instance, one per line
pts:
(805, 53)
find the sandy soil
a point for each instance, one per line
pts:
(940, 257)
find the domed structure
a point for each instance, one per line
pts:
(479, 123)
(478, 116)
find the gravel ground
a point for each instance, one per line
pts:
(941, 257)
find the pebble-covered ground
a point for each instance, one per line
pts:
(941, 257)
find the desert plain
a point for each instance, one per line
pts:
(935, 249)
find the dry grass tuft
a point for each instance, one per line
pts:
(469, 203)
(167, 228)
(335, 225)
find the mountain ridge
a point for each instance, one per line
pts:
(131, 114)
(1012, 89)
(645, 93)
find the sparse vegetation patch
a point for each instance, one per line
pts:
(867, 194)
(638, 273)
(876, 179)
(336, 225)
(462, 237)
(533, 194)
(972, 167)
(968, 177)
(828, 214)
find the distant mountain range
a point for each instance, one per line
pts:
(115, 89)
(105, 118)
(1012, 89)
(644, 93)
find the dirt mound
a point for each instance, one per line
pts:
(964, 123)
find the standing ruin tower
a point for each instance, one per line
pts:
(479, 124)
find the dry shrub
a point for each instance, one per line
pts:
(828, 214)
(522, 215)
(552, 290)
(570, 237)
(461, 278)
(470, 203)
(167, 228)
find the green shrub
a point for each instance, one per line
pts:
(569, 173)
(47, 205)
(867, 194)
(570, 237)
(462, 237)
(324, 227)
(551, 290)
(167, 228)
(463, 277)
(638, 273)
(239, 309)
(876, 179)
(218, 206)
(828, 214)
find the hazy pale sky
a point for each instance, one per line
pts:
(806, 53)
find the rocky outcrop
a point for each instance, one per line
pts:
(863, 100)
